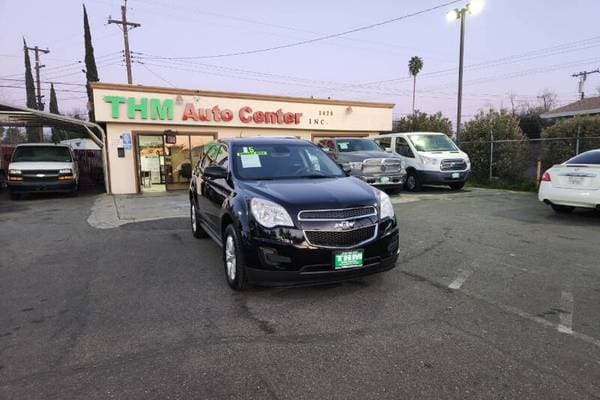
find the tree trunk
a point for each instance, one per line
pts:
(414, 88)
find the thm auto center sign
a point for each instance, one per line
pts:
(220, 109)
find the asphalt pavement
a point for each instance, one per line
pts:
(494, 297)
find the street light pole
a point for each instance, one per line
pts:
(463, 14)
(473, 7)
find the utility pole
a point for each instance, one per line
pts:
(582, 78)
(463, 14)
(125, 25)
(37, 67)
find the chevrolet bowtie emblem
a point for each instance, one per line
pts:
(344, 225)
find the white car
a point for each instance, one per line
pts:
(574, 183)
(429, 157)
(37, 167)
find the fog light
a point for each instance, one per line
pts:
(271, 257)
(65, 177)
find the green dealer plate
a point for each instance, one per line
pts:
(348, 259)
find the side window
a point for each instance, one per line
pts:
(403, 148)
(327, 143)
(222, 158)
(384, 143)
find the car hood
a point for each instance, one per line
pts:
(314, 194)
(27, 165)
(443, 155)
(355, 156)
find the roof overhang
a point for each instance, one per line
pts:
(11, 115)
(549, 115)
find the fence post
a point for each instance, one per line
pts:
(491, 155)
(577, 142)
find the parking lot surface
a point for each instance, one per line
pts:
(494, 296)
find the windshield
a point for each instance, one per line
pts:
(42, 153)
(432, 143)
(589, 158)
(282, 161)
(348, 145)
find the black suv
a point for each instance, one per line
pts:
(284, 212)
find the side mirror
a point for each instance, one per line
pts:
(215, 172)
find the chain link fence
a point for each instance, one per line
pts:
(520, 163)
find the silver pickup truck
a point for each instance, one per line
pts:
(367, 161)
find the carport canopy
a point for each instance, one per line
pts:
(16, 116)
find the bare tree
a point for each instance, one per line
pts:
(547, 99)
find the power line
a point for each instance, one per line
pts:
(318, 39)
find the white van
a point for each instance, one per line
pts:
(429, 157)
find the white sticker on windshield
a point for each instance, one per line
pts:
(343, 145)
(250, 161)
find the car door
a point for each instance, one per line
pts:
(214, 192)
(402, 148)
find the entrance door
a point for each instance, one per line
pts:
(178, 165)
(151, 163)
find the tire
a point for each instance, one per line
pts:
(197, 230)
(457, 186)
(233, 260)
(562, 209)
(412, 184)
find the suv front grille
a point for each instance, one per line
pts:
(349, 213)
(453, 165)
(341, 238)
(40, 175)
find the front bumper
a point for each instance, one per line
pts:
(43, 186)
(443, 178)
(272, 262)
(569, 197)
(383, 180)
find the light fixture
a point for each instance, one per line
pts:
(452, 15)
(475, 6)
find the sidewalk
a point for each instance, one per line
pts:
(111, 211)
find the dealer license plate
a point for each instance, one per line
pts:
(348, 259)
(384, 179)
(455, 175)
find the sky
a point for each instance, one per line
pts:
(513, 49)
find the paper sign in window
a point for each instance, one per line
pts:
(250, 161)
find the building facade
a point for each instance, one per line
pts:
(155, 135)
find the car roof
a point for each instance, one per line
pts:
(348, 138)
(42, 144)
(263, 140)
(411, 133)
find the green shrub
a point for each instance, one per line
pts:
(510, 158)
(423, 122)
(558, 151)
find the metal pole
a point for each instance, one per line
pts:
(463, 14)
(491, 155)
(577, 142)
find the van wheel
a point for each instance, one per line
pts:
(457, 186)
(235, 266)
(562, 209)
(412, 182)
(197, 230)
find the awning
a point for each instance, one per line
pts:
(16, 116)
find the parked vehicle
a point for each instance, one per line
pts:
(367, 161)
(574, 183)
(36, 167)
(283, 212)
(430, 158)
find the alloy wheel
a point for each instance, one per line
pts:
(230, 260)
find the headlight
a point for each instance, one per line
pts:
(386, 209)
(269, 214)
(468, 161)
(355, 165)
(14, 171)
(428, 160)
(65, 171)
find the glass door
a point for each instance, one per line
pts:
(178, 165)
(151, 156)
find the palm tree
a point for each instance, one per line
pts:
(415, 65)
